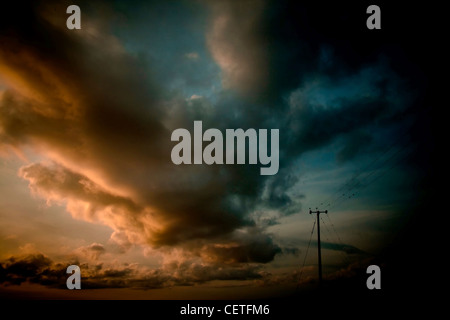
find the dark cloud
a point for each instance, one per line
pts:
(39, 269)
(325, 81)
(276, 197)
(251, 245)
(348, 249)
(291, 250)
(93, 251)
(32, 268)
(325, 109)
(354, 145)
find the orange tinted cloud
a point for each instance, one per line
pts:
(102, 126)
(236, 45)
(88, 201)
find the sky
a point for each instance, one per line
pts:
(86, 118)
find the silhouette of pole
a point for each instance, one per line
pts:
(319, 255)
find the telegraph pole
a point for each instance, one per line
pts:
(318, 242)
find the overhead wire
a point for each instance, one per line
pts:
(306, 254)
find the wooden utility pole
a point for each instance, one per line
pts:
(318, 242)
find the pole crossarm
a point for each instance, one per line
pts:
(318, 211)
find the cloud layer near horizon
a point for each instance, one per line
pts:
(40, 269)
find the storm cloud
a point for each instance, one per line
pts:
(100, 120)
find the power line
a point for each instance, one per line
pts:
(363, 177)
(415, 117)
(328, 234)
(365, 182)
(339, 241)
(306, 254)
(334, 229)
(352, 183)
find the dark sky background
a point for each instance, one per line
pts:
(85, 123)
